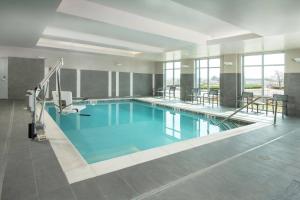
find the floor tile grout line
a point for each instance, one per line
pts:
(201, 171)
(34, 174)
(8, 133)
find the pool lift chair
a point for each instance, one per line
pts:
(66, 102)
(38, 98)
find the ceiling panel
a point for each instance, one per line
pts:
(111, 31)
(177, 14)
(22, 22)
(263, 17)
(121, 18)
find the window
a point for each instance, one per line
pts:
(207, 74)
(172, 75)
(264, 74)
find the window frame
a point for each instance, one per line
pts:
(197, 67)
(263, 65)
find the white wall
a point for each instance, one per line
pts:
(290, 65)
(232, 63)
(78, 60)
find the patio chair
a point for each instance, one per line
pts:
(274, 102)
(161, 92)
(246, 98)
(211, 96)
(195, 94)
(172, 90)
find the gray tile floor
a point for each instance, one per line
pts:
(262, 164)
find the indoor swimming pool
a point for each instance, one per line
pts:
(109, 129)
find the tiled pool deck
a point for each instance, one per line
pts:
(260, 164)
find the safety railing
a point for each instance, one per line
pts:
(240, 109)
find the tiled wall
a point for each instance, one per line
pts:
(142, 84)
(186, 85)
(69, 80)
(159, 81)
(230, 87)
(113, 84)
(124, 84)
(292, 89)
(23, 74)
(94, 84)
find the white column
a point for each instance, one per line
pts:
(117, 84)
(131, 84)
(78, 81)
(109, 84)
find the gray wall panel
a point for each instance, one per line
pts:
(292, 89)
(142, 84)
(23, 74)
(230, 88)
(68, 79)
(159, 81)
(94, 84)
(186, 85)
(124, 84)
(113, 84)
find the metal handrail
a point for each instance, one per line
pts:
(240, 109)
(37, 121)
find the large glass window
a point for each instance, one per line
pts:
(207, 74)
(172, 75)
(264, 74)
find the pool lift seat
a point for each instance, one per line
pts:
(66, 101)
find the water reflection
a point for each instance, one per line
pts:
(178, 126)
(172, 121)
(119, 128)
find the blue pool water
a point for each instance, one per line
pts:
(118, 128)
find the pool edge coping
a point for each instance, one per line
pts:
(77, 169)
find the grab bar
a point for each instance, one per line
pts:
(238, 110)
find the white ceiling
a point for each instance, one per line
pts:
(171, 12)
(152, 29)
(23, 21)
(263, 17)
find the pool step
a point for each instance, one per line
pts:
(226, 125)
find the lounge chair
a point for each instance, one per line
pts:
(211, 96)
(278, 100)
(161, 92)
(172, 90)
(195, 94)
(246, 98)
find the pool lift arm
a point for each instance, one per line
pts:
(37, 124)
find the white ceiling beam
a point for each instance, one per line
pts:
(98, 12)
(86, 37)
(44, 42)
